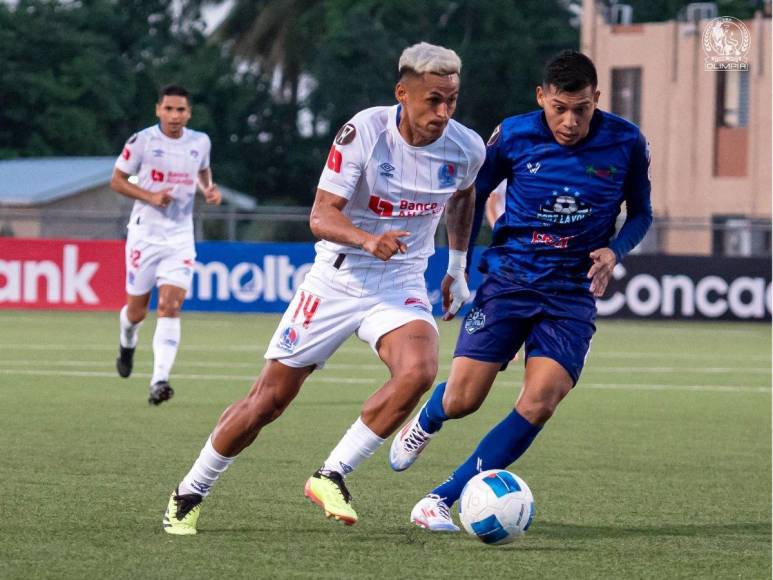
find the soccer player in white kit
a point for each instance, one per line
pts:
(169, 160)
(390, 174)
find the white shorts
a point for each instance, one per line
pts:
(149, 264)
(322, 316)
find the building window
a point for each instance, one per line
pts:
(732, 99)
(626, 93)
(731, 124)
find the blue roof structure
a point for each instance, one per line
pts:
(37, 181)
(41, 180)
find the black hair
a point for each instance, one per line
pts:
(174, 91)
(570, 71)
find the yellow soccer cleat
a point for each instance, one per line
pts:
(182, 513)
(327, 490)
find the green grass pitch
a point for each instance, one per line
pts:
(658, 465)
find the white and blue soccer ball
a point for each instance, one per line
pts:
(496, 506)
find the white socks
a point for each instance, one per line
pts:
(129, 331)
(355, 446)
(165, 342)
(205, 471)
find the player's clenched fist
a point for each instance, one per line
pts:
(386, 245)
(212, 195)
(161, 198)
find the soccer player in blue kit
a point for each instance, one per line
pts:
(569, 168)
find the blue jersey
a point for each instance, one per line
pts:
(562, 201)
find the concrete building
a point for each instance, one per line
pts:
(709, 130)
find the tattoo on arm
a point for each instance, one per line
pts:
(459, 213)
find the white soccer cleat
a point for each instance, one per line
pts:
(407, 444)
(432, 513)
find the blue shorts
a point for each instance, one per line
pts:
(504, 317)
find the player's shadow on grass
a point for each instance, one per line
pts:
(579, 532)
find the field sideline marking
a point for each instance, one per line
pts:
(375, 367)
(351, 381)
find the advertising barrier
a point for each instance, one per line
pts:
(689, 288)
(61, 274)
(262, 277)
(250, 277)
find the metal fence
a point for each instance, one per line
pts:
(721, 235)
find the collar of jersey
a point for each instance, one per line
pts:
(170, 139)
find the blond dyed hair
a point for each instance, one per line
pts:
(428, 58)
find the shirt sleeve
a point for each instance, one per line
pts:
(490, 175)
(205, 153)
(130, 159)
(477, 156)
(636, 189)
(345, 162)
(492, 172)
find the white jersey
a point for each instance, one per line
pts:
(392, 185)
(159, 162)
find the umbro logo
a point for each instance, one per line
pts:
(387, 169)
(533, 167)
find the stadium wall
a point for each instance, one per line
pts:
(262, 277)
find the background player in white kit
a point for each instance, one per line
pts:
(169, 160)
(389, 176)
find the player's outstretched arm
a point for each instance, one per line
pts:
(121, 184)
(328, 222)
(459, 213)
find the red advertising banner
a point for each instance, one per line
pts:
(62, 274)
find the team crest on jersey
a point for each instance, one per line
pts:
(345, 134)
(447, 175)
(494, 136)
(564, 207)
(475, 320)
(194, 154)
(289, 339)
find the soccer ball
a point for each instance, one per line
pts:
(496, 506)
(565, 204)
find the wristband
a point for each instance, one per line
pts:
(457, 260)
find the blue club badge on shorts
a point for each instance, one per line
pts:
(289, 339)
(475, 320)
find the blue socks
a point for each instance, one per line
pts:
(499, 448)
(432, 414)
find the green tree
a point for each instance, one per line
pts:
(503, 49)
